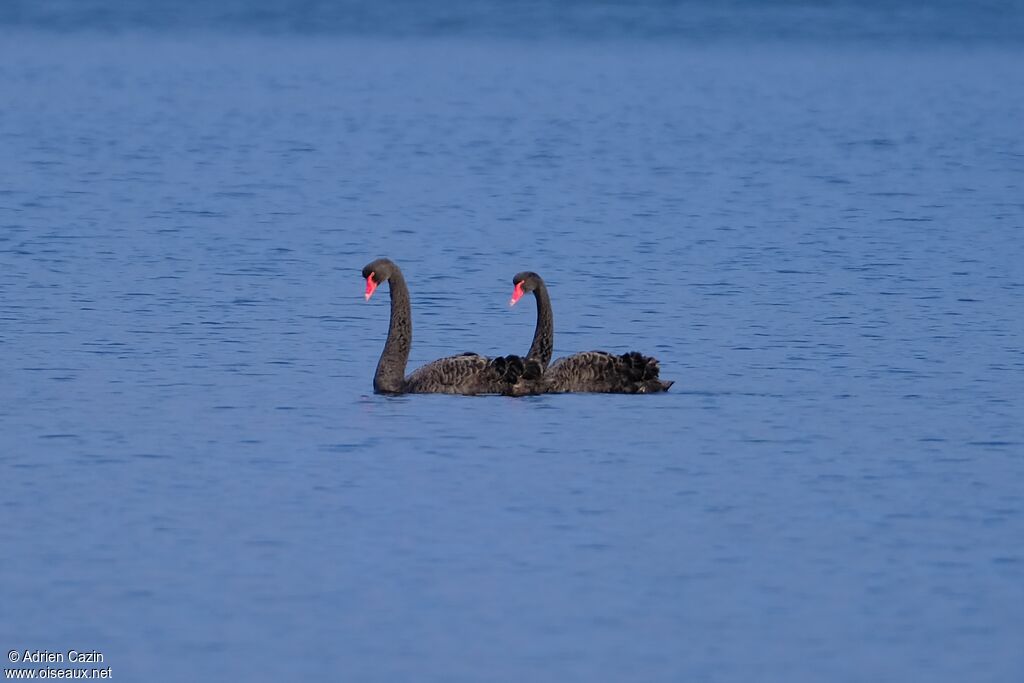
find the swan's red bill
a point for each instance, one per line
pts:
(371, 286)
(517, 294)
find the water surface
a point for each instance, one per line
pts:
(822, 243)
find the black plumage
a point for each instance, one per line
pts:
(589, 371)
(468, 373)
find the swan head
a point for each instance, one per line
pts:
(377, 272)
(525, 283)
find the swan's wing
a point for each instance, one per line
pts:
(600, 371)
(516, 376)
(580, 372)
(452, 375)
(472, 373)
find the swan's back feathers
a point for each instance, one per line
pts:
(600, 371)
(638, 367)
(471, 373)
(511, 369)
(451, 375)
(521, 376)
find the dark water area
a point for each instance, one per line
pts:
(822, 242)
(688, 21)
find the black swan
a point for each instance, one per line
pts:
(467, 374)
(589, 371)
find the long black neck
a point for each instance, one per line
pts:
(390, 375)
(544, 336)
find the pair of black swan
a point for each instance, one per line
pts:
(471, 373)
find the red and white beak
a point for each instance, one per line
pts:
(517, 294)
(371, 286)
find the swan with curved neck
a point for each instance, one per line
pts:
(589, 371)
(469, 373)
(543, 344)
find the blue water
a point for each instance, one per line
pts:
(821, 239)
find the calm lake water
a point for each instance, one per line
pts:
(822, 240)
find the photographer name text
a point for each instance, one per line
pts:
(48, 657)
